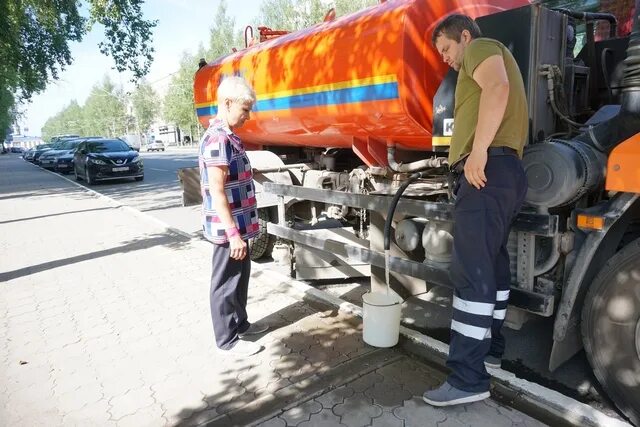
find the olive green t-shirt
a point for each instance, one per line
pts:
(514, 128)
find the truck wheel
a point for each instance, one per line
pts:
(611, 329)
(262, 244)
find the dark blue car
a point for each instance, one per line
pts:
(106, 159)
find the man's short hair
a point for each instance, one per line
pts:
(236, 89)
(452, 27)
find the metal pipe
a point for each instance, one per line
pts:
(434, 162)
(281, 168)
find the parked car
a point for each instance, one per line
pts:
(39, 149)
(106, 159)
(63, 148)
(28, 154)
(16, 149)
(156, 145)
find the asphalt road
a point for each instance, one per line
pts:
(160, 195)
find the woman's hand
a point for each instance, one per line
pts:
(238, 248)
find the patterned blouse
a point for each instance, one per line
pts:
(219, 146)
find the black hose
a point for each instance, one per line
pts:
(593, 16)
(605, 71)
(394, 203)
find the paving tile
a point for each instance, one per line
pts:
(416, 413)
(71, 401)
(199, 418)
(324, 418)
(91, 414)
(387, 419)
(130, 402)
(301, 413)
(175, 385)
(479, 412)
(334, 397)
(357, 410)
(365, 382)
(387, 394)
(182, 406)
(151, 416)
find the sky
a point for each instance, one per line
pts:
(182, 26)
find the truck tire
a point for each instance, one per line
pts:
(262, 244)
(611, 329)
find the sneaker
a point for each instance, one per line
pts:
(254, 329)
(242, 349)
(492, 362)
(447, 395)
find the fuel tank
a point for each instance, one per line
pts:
(365, 79)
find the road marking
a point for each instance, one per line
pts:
(161, 170)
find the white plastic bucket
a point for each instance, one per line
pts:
(381, 319)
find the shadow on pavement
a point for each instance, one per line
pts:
(170, 240)
(55, 214)
(304, 346)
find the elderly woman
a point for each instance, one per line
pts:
(229, 216)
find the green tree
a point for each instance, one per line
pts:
(345, 7)
(70, 120)
(178, 101)
(105, 111)
(145, 103)
(35, 37)
(223, 36)
(178, 108)
(297, 14)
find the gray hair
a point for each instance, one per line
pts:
(236, 89)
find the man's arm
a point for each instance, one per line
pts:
(491, 76)
(217, 175)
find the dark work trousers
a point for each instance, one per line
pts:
(228, 295)
(480, 269)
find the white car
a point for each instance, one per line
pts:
(155, 146)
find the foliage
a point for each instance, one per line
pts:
(222, 35)
(103, 114)
(145, 106)
(297, 14)
(68, 121)
(105, 111)
(35, 37)
(178, 102)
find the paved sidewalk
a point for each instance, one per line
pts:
(104, 321)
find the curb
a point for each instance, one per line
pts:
(577, 413)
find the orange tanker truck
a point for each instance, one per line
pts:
(348, 109)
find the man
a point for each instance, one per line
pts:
(230, 217)
(491, 126)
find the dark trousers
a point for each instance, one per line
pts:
(228, 295)
(480, 269)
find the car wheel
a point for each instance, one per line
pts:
(262, 244)
(162, 149)
(139, 178)
(87, 177)
(611, 328)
